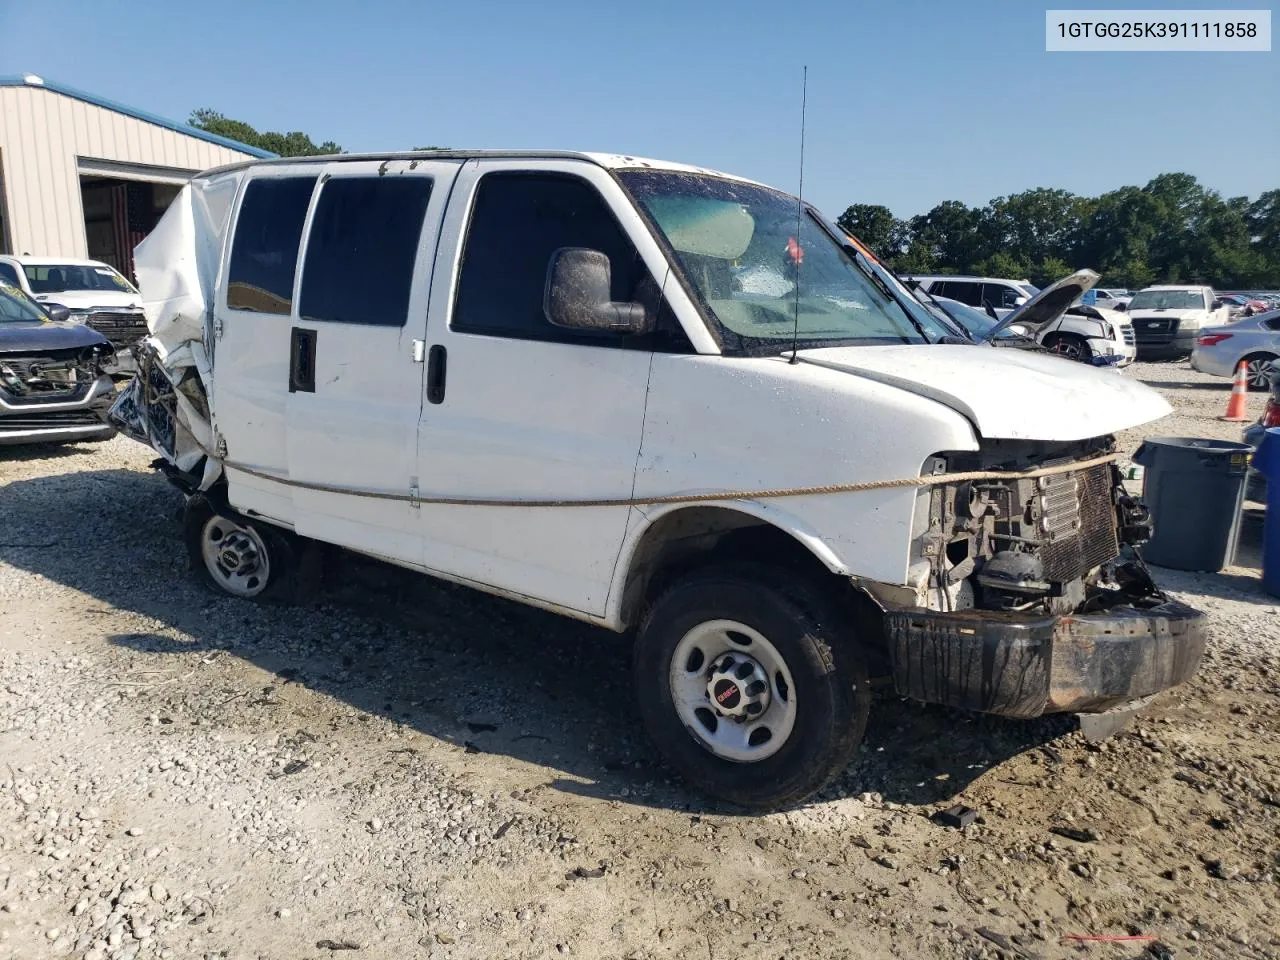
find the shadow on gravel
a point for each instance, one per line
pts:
(25, 452)
(485, 674)
(1222, 386)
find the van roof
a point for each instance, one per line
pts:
(611, 161)
(1178, 286)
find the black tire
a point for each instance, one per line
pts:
(828, 668)
(1070, 346)
(1259, 369)
(284, 582)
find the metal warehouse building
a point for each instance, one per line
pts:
(81, 176)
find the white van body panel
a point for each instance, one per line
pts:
(251, 373)
(741, 424)
(358, 428)
(1006, 394)
(546, 420)
(530, 419)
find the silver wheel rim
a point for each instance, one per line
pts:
(235, 556)
(1065, 348)
(716, 656)
(1259, 372)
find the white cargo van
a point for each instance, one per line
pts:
(648, 396)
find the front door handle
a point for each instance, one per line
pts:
(437, 367)
(302, 360)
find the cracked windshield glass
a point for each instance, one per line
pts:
(738, 247)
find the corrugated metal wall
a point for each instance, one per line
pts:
(41, 135)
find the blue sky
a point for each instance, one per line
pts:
(910, 103)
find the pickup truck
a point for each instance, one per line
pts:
(648, 396)
(1168, 319)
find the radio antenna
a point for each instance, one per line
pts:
(798, 253)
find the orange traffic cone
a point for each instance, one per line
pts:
(1237, 405)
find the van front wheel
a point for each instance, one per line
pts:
(751, 684)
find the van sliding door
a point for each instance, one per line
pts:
(355, 370)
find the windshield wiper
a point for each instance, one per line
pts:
(885, 289)
(963, 337)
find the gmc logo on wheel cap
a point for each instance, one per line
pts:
(727, 694)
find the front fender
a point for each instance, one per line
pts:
(642, 520)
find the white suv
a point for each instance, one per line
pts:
(94, 293)
(1081, 333)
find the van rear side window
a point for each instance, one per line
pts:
(264, 252)
(361, 250)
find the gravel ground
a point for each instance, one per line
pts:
(407, 769)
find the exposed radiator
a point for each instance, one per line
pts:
(1078, 523)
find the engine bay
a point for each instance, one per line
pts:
(1056, 544)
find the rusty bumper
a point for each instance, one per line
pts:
(1025, 666)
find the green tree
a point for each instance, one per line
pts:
(1118, 230)
(293, 144)
(1003, 265)
(1034, 225)
(875, 226)
(1172, 230)
(1264, 221)
(948, 234)
(1048, 270)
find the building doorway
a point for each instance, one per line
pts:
(118, 214)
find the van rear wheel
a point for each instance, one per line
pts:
(751, 684)
(239, 556)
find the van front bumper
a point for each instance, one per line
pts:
(1025, 666)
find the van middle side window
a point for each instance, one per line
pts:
(518, 221)
(362, 249)
(264, 252)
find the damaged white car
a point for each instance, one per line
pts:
(644, 395)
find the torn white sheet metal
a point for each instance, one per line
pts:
(168, 404)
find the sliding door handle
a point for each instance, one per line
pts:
(302, 360)
(437, 368)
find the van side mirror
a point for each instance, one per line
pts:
(1121, 306)
(577, 295)
(1019, 301)
(57, 311)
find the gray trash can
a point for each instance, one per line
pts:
(1195, 489)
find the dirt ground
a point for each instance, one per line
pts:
(408, 769)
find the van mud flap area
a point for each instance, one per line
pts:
(1020, 665)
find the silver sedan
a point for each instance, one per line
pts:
(1254, 340)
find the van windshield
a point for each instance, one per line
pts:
(737, 246)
